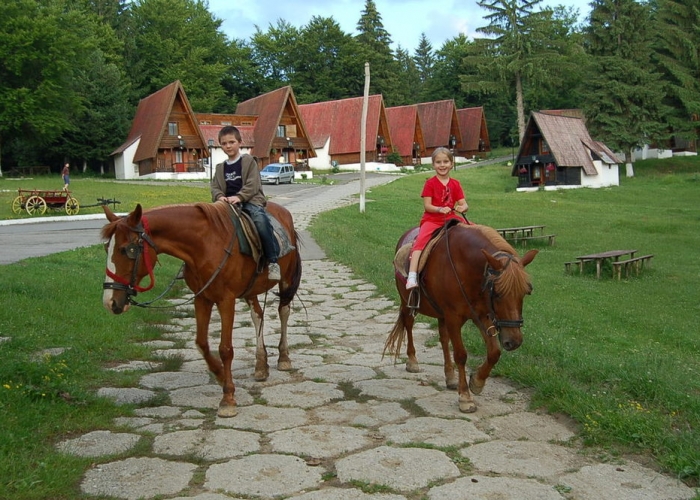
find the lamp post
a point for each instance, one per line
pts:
(210, 142)
(290, 145)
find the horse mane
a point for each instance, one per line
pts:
(513, 279)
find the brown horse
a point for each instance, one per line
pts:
(471, 273)
(203, 237)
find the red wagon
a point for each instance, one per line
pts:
(36, 201)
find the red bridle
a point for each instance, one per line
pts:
(134, 251)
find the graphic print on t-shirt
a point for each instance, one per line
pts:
(233, 175)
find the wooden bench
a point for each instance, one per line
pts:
(579, 263)
(636, 262)
(525, 239)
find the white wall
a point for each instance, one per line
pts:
(124, 166)
(323, 158)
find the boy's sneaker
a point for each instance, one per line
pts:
(411, 282)
(273, 272)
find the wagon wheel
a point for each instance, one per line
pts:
(72, 206)
(17, 205)
(36, 205)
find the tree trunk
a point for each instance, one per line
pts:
(520, 106)
(0, 158)
(629, 163)
(84, 166)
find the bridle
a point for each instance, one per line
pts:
(133, 251)
(490, 277)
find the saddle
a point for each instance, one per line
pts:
(249, 239)
(402, 257)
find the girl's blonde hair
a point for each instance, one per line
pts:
(444, 151)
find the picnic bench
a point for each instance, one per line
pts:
(524, 234)
(614, 256)
(627, 265)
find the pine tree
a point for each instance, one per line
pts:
(623, 96)
(375, 44)
(677, 56)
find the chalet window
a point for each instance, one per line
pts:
(226, 123)
(281, 131)
(172, 128)
(178, 156)
(545, 147)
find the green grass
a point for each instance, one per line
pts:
(620, 357)
(55, 302)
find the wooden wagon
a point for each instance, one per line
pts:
(36, 201)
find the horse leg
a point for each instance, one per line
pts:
(450, 377)
(262, 370)
(466, 401)
(407, 319)
(202, 312)
(284, 364)
(493, 354)
(227, 406)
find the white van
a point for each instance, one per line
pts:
(276, 173)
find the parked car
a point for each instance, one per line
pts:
(276, 173)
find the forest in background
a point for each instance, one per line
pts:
(72, 71)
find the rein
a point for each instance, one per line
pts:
(134, 251)
(490, 275)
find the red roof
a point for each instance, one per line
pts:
(470, 122)
(403, 124)
(340, 120)
(212, 132)
(150, 121)
(436, 120)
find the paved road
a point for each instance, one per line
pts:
(343, 418)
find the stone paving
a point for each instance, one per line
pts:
(345, 423)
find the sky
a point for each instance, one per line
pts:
(404, 20)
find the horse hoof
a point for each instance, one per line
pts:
(284, 366)
(467, 405)
(227, 411)
(261, 376)
(474, 387)
(412, 367)
(451, 384)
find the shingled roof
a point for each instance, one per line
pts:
(404, 125)
(341, 120)
(569, 142)
(439, 121)
(471, 121)
(269, 109)
(151, 121)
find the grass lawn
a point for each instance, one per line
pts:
(620, 357)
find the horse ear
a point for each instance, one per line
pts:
(494, 263)
(135, 216)
(111, 216)
(528, 257)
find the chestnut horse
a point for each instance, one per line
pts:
(203, 237)
(471, 273)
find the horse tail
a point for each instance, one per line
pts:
(395, 338)
(287, 294)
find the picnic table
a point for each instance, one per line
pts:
(614, 256)
(523, 234)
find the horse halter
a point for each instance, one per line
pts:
(490, 276)
(133, 251)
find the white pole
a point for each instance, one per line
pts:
(363, 139)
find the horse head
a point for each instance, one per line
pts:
(130, 256)
(507, 284)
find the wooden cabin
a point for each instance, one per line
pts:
(334, 129)
(406, 133)
(279, 133)
(558, 152)
(440, 127)
(164, 141)
(475, 134)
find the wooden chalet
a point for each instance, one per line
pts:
(475, 135)
(164, 141)
(440, 126)
(279, 133)
(557, 151)
(334, 128)
(406, 133)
